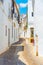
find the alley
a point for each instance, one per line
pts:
(10, 57)
(21, 53)
(21, 34)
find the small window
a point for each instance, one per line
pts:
(1, 1)
(6, 30)
(12, 30)
(14, 34)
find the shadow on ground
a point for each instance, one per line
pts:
(19, 42)
(10, 57)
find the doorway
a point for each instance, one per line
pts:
(32, 35)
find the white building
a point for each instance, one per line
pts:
(30, 34)
(39, 24)
(9, 27)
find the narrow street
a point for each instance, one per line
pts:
(21, 34)
(10, 57)
(20, 53)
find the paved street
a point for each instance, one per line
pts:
(21, 34)
(30, 56)
(20, 54)
(10, 57)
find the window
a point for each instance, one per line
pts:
(18, 18)
(12, 29)
(12, 9)
(9, 13)
(32, 14)
(1, 1)
(6, 30)
(14, 34)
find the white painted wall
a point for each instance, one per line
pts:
(3, 39)
(30, 18)
(39, 24)
(3, 22)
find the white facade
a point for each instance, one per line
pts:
(6, 28)
(30, 18)
(39, 24)
(37, 21)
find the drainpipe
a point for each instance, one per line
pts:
(1, 1)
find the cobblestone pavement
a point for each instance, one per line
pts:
(10, 57)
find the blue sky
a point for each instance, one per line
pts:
(23, 6)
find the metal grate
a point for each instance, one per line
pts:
(1, 1)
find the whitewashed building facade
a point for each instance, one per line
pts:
(9, 27)
(37, 22)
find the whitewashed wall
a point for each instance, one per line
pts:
(4, 21)
(16, 28)
(30, 18)
(3, 39)
(39, 24)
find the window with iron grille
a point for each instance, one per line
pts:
(32, 14)
(18, 18)
(6, 30)
(1, 1)
(14, 34)
(12, 9)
